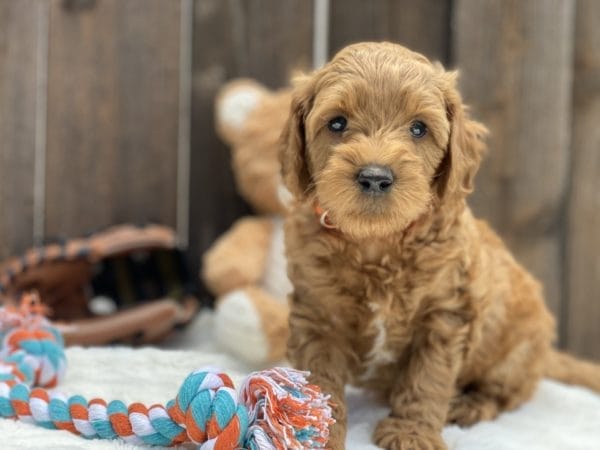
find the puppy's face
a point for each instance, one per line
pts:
(378, 136)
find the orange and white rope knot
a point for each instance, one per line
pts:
(275, 409)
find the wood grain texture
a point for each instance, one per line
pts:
(516, 73)
(583, 243)
(112, 114)
(235, 39)
(18, 45)
(423, 26)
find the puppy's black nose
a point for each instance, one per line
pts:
(374, 179)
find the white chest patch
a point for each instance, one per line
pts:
(378, 355)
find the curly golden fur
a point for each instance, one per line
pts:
(410, 295)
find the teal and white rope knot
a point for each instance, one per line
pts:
(275, 409)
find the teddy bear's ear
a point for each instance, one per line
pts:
(234, 103)
(293, 158)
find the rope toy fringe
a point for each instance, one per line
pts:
(275, 409)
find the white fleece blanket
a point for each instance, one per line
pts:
(559, 417)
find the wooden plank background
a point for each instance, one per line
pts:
(250, 44)
(424, 28)
(17, 123)
(582, 293)
(113, 72)
(108, 150)
(517, 70)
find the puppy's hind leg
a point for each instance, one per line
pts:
(471, 406)
(504, 387)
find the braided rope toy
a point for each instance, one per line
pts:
(276, 408)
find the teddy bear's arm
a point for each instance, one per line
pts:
(237, 259)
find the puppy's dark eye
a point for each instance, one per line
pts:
(337, 124)
(418, 129)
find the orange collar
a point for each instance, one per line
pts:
(323, 216)
(325, 221)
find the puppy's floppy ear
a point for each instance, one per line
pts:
(465, 148)
(294, 164)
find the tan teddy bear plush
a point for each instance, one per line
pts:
(245, 268)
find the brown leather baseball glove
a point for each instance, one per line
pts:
(126, 284)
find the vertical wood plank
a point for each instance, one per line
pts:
(18, 45)
(516, 73)
(263, 39)
(112, 114)
(422, 26)
(583, 244)
(186, 27)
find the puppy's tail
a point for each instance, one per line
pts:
(566, 368)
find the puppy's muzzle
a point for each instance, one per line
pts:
(375, 180)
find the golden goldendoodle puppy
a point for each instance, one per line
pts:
(397, 287)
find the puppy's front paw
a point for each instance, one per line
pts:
(397, 434)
